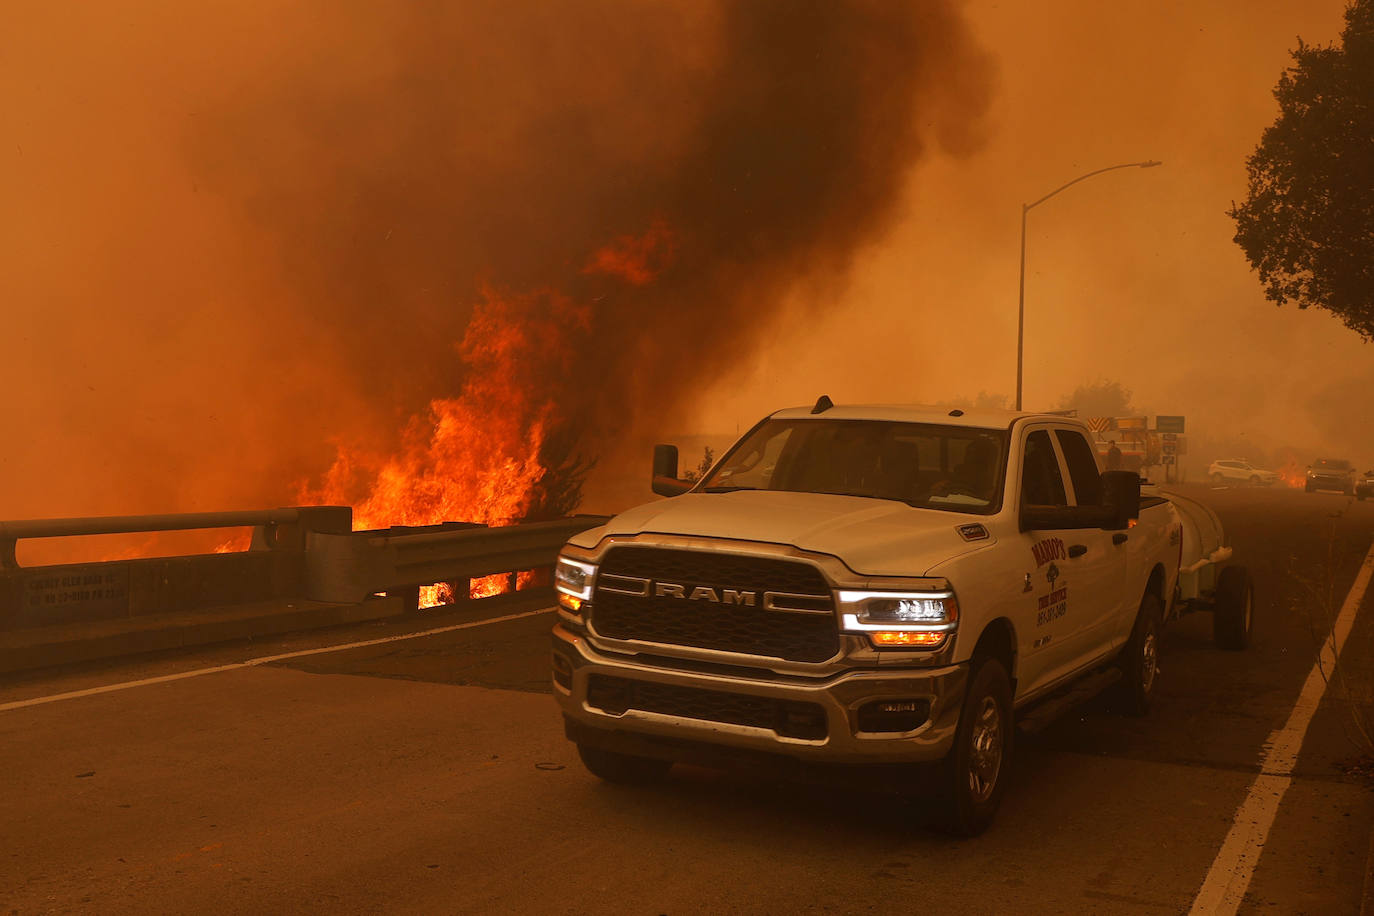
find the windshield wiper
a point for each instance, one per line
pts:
(724, 489)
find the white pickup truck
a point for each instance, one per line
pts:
(876, 585)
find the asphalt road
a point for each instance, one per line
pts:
(430, 775)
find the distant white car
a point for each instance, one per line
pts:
(1236, 471)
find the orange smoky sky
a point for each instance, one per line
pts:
(1131, 275)
(238, 233)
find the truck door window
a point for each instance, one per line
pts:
(1083, 471)
(1041, 483)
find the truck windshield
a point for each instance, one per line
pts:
(958, 469)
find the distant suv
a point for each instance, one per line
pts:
(1331, 474)
(1234, 470)
(1365, 485)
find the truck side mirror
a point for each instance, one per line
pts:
(1120, 504)
(665, 480)
(1121, 498)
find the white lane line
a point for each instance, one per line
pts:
(266, 659)
(1234, 866)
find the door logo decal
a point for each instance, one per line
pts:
(1048, 550)
(1052, 606)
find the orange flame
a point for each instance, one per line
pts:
(436, 594)
(474, 457)
(636, 259)
(487, 586)
(236, 544)
(477, 457)
(1292, 475)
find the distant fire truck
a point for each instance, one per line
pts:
(1143, 445)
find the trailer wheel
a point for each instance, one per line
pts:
(975, 769)
(1233, 616)
(1140, 658)
(624, 769)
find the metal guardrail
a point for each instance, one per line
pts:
(349, 568)
(270, 525)
(307, 552)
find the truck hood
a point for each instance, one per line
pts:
(873, 537)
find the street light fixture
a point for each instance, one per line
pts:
(1021, 303)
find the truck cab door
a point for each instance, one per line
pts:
(1099, 567)
(1043, 621)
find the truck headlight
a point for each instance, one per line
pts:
(900, 620)
(573, 581)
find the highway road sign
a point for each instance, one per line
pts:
(1169, 424)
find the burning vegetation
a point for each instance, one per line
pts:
(476, 246)
(618, 232)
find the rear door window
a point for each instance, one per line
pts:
(1083, 470)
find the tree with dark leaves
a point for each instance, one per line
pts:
(1101, 398)
(1307, 225)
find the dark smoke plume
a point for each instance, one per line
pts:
(762, 145)
(246, 228)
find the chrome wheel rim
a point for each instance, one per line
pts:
(1147, 661)
(985, 750)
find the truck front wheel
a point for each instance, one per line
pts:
(623, 769)
(975, 769)
(1140, 658)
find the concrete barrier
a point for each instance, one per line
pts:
(304, 564)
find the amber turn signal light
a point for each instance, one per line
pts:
(897, 639)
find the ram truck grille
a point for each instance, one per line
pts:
(617, 695)
(791, 615)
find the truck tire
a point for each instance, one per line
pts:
(1139, 659)
(975, 770)
(622, 769)
(1309, 488)
(1233, 614)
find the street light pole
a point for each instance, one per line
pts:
(1021, 297)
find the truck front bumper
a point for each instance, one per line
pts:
(619, 702)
